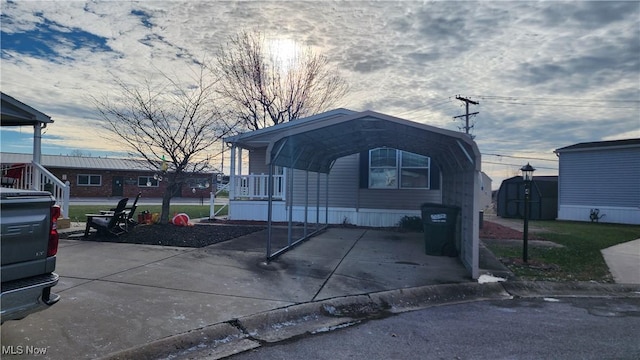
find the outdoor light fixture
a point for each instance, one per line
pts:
(527, 172)
(527, 176)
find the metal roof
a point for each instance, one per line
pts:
(314, 143)
(600, 145)
(78, 162)
(16, 113)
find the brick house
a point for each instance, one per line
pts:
(110, 177)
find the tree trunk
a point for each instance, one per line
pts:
(166, 201)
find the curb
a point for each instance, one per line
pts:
(537, 289)
(224, 339)
(238, 335)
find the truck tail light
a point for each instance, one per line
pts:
(53, 231)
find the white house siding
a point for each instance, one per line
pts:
(350, 204)
(606, 179)
(347, 202)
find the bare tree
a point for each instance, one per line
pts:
(172, 126)
(265, 89)
(80, 153)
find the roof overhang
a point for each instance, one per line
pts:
(16, 113)
(314, 143)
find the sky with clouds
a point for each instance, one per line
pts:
(546, 74)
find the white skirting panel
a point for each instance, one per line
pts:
(257, 211)
(618, 215)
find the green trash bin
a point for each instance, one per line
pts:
(439, 223)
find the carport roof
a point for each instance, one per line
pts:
(16, 113)
(314, 143)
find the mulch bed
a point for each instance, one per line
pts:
(195, 236)
(492, 230)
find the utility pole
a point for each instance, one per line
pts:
(466, 101)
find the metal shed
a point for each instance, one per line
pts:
(544, 198)
(313, 144)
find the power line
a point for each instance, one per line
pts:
(426, 106)
(560, 102)
(519, 165)
(520, 157)
(553, 99)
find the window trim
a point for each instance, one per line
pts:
(150, 179)
(398, 170)
(89, 177)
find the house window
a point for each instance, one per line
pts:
(198, 183)
(395, 169)
(147, 181)
(383, 168)
(414, 171)
(89, 180)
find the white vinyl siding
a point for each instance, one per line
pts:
(600, 177)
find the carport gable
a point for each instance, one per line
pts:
(313, 144)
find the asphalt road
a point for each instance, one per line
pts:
(557, 328)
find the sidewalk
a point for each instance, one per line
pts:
(623, 261)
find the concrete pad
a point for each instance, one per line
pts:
(94, 260)
(360, 277)
(121, 296)
(623, 261)
(235, 274)
(65, 283)
(389, 246)
(333, 243)
(102, 317)
(383, 260)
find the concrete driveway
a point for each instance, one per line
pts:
(119, 296)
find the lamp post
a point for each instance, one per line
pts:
(527, 176)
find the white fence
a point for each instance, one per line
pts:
(256, 187)
(35, 176)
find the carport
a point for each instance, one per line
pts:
(314, 143)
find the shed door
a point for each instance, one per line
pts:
(116, 186)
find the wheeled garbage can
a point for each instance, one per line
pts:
(439, 223)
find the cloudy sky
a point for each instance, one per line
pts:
(546, 74)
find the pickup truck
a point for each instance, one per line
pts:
(28, 244)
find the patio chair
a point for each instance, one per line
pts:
(111, 222)
(129, 221)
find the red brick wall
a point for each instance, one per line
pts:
(130, 186)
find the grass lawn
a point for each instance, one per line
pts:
(580, 258)
(77, 212)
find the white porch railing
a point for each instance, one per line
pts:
(255, 187)
(44, 181)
